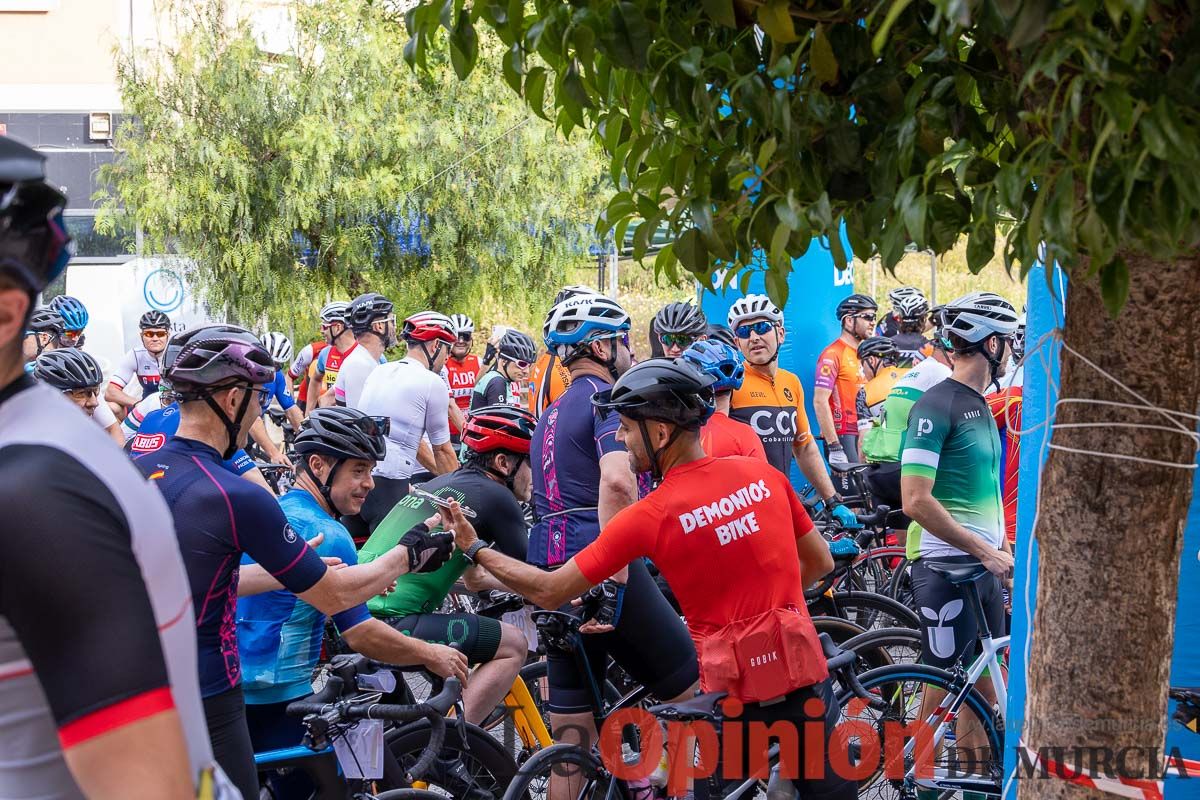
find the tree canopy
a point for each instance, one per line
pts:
(323, 171)
(752, 125)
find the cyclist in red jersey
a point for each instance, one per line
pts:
(709, 517)
(302, 366)
(722, 435)
(462, 369)
(323, 373)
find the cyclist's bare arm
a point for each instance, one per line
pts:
(920, 504)
(824, 414)
(812, 466)
(144, 760)
(114, 394)
(815, 560)
(618, 486)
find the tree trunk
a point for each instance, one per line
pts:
(1110, 530)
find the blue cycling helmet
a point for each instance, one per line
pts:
(580, 320)
(722, 362)
(73, 312)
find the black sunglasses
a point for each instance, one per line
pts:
(374, 426)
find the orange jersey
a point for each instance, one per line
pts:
(839, 371)
(774, 408)
(722, 436)
(1006, 410)
(547, 382)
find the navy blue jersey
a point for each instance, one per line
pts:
(565, 455)
(157, 428)
(218, 517)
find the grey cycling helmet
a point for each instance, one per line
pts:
(517, 346)
(68, 369)
(680, 318)
(45, 319)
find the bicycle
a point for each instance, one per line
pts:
(599, 782)
(962, 715)
(350, 699)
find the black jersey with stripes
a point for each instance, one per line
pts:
(96, 627)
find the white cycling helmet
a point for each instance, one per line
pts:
(335, 311)
(896, 295)
(279, 346)
(463, 323)
(978, 315)
(581, 319)
(912, 306)
(753, 306)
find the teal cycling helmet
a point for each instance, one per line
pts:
(74, 314)
(718, 360)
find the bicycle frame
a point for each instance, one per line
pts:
(525, 716)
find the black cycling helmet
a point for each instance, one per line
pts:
(854, 304)
(720, 333)
(68, 369)
(878, 347)
(45, 319)
(34, 244)
(680, 318)
(340, 433)
(154, 321)
(517, 346)
(663, 389)
(366, 309)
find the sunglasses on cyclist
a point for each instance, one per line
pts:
(155, 333)
(465, 337)
(518, 362)
(761, 328)
(373, 426)
(868, 316)
(71, 337)
(676, 339)
(83, 394)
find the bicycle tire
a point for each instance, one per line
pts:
(883, 646)
(890, 681)
(839, 629)
(409, 794)
(489, 764)
(867, 609)
(532, 779)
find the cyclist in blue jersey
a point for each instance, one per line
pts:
(582, 478)
(216, 372)
(280, 635)
(280, 389)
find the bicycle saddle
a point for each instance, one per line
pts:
(853, 466)
(700, 707)
(958, 573)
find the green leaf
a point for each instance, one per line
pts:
(629, 37)
(837, 249)
(575, 93)
(775, 19)
(777, 287)
(513, 67)
(721, 12)
(1116, 101)
(1094, 238)
(691, 61)
(692, 252)
(765, 152)
(787, 214)
(821, 58)
(894, 11)
(535, 91)
(464, 46)
(1114, 285)
(779, 240)
(981, 246)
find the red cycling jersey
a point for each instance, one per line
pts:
(723, 533)
(722, 436)
(1006, 410)
(461, 375)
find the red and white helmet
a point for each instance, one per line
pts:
(429, 326)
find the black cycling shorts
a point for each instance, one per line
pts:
(948, 625)
(225, 714)
(651, 643)
(476, 637)
(883, 481)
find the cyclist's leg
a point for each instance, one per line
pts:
(496, 647)
(651, 642)
(225, 714)
(572, 703)
(849, 443)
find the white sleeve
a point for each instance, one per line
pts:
(126, 369)
(103, 415)
(303, 359)
(437, 415)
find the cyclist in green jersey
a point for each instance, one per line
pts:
(950, 478)
(504, 383)
(494, 476)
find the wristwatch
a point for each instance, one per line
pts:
(471, 552)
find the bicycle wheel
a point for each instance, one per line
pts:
(900, 586)
(500, 722)
(871, 571)
(884, 646)
(409, 794)
(532, 781)
(972, 747)
(488, 767)
(868, 610)
(840, 630)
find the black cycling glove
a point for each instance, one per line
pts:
(426, 551)
(603, 602)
